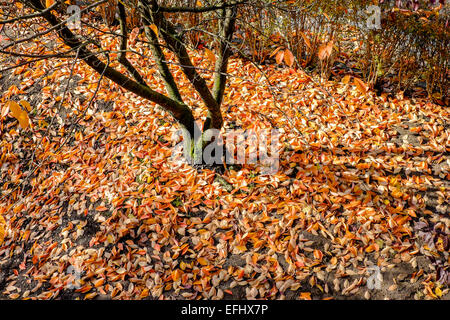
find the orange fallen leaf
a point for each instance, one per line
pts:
(176, 275)
(90, 295)
(18, 113)
(362, 87)
(210, 55)
(305, 38)
(346, 79)
(154, 28)
(305, 295)
(2, 229)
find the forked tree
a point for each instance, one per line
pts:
(150, 17)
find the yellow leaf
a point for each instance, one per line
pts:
(305, 295)
(14, 108)
(438, 292)
(110, 238)
(2, 229)
(18, 113)
(211, 56)
(90, 295)
(346, 79)
(176, 275)
(154, 28)
(25, 104)
(202, 261)
(241, 248)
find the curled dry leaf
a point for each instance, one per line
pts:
(325, 50)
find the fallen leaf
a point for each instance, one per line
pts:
(362, 87)
(210, 55)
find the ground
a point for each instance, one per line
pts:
(102, 212)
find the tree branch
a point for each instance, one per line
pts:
(226, 35)
(201, 9)
(181, 112)
(123, 46)
(167, 31)
(158, 54)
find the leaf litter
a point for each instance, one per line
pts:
(363, 181)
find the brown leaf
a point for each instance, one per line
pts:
(49, 3)
(325, 50)
(279, 57)
(19, 114)
(360, 85)
(2, 229)
(305, 38)
(346, 79)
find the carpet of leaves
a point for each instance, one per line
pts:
(363, 180)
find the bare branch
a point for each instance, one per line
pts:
(201, 9)
(180, 111)
(226, 35)
(43, 12)
(176, 45)
(158, 54)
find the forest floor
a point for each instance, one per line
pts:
(102, 211)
